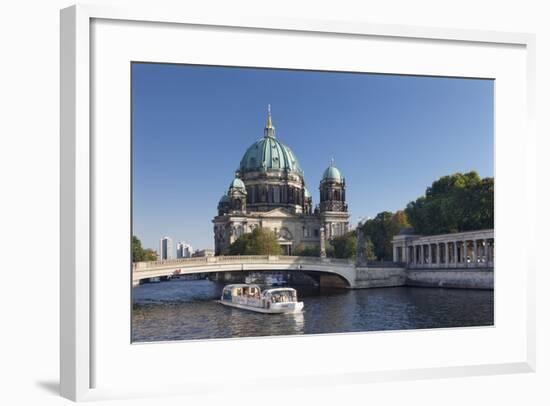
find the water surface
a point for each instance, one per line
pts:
(182, 310)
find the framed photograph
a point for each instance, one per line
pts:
(236, 190)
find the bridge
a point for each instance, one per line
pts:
(331, 271)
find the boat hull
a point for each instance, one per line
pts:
(275, 308)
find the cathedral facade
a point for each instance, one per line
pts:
(269, 191)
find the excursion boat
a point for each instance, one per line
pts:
(250, 297)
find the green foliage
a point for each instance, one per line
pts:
(139, 254)
(455, 203)
(260, 241)
(344, 246)
(369, 248)
(302, 250)
(380, 232)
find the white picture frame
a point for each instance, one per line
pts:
(77, 186)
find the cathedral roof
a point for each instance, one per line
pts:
(237, 184)
(268, 153)
(332, 173)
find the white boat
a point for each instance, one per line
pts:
(250, 297)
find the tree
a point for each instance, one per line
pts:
(454, 203)
(381, 230)
(139, 254)
(369, 249)
(345, 246)
(149, 255)
(260, 241)
(302, 250)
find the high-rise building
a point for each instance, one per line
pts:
(165, 248)
(183, 250)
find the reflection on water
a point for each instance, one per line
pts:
(181, 310)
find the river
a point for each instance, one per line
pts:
(183, 310)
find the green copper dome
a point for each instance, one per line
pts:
(332, 173)
(268, 153)
(237, 184)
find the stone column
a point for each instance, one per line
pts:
(455, 253)
(465, 253)
(322, 242)
(415, 255)
(405, 253)
(395, 259)
(474, 254)
(446, 254)
(437, 253)
(486, 252)
(430, 254)
(422, 253)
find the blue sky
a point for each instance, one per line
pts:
(390, 135)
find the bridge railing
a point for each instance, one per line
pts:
(183, 262)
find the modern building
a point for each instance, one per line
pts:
(165, 249)
(207, 252)
(183, 250)
(269, 191)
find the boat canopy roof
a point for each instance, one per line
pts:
(240, 285)
(275, 290)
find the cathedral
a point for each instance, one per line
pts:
(269, 191)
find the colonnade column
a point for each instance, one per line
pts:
(437, 253)
(486, 252)
(465, 253)
(430, 254)
(455, 253)
(422, 253)
(447, 254)
(474, 254)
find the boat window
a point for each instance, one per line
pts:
(227, 294)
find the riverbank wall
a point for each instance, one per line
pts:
(383, 277)
(455, 278)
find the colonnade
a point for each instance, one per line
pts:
(459, 250)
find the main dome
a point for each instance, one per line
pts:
(269, 154)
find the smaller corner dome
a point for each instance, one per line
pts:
(306, 193)
(237, 184)
(332, 173)
(224, 199)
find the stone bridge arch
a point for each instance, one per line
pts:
(331, 272)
